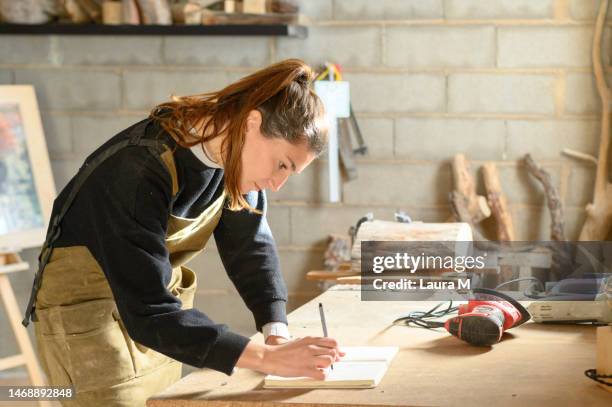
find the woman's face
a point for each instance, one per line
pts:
(268, 162)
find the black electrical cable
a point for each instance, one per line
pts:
(421, 318)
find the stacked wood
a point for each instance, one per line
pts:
(130, 12)
(155, 12)
(187, 13)
(498, 204)
(112, 12)
(254, 6)
(27, 11)
(384, 231)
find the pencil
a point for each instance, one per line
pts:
(323, 324)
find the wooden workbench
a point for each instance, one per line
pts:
(535, 365)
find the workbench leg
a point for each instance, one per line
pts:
(21, 334)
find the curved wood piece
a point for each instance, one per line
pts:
(553, 200)
(599, 213)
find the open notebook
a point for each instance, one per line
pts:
(363, 367)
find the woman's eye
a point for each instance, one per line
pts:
(282, 166)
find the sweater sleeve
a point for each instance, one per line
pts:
(127, 226)
(248, 252)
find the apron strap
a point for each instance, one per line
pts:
(135, 139)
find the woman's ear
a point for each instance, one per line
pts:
(253, 121)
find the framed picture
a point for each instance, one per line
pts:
(27, 189)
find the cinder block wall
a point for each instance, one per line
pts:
(493, 79)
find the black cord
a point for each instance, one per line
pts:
(420, 318)
(592, 374)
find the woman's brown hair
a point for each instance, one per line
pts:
(281, 92)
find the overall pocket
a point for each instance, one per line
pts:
(97, 353)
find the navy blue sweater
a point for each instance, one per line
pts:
(121, 215)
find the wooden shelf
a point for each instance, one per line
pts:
(287, 30)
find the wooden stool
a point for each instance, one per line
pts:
(10, 263)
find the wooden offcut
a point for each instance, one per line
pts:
(553, 199)
(599, 212)
(498, 204)
(476, 205)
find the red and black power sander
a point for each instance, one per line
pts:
(480, 322)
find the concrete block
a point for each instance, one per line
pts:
(216, 51)
(90, 132)
(144, 89)
(108, 50)
(295, 264)
(531, 223)
(6, 77)
(64, 170)
(544, 46)
(58, 133)
(447, 46)
(378, 136)
(25, 49)
(440, 139)
(585, 9)
(581, 94)
(545, 139)
(309, 186)
(399, 184)
(387, 9)
(315, 10)
(385, 93)
(73, 89)
(498, 9)
(580, 186)
(280, 223)
(489, 93)
(335, 44)
(311, 225)
(521, 188)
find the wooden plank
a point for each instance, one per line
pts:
(536, 364)
(10, 362)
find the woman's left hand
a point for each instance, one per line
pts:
(276, 340)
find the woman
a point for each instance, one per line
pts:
(113, 307)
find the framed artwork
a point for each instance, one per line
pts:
(27, 188)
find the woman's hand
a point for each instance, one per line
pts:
(276, 340)
(299, 357)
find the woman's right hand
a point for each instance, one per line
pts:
(299, 357)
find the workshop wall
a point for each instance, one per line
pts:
(429, 79)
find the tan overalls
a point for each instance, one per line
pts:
(82, 341)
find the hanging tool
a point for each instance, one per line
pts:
(480, 322)
(347, 126)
